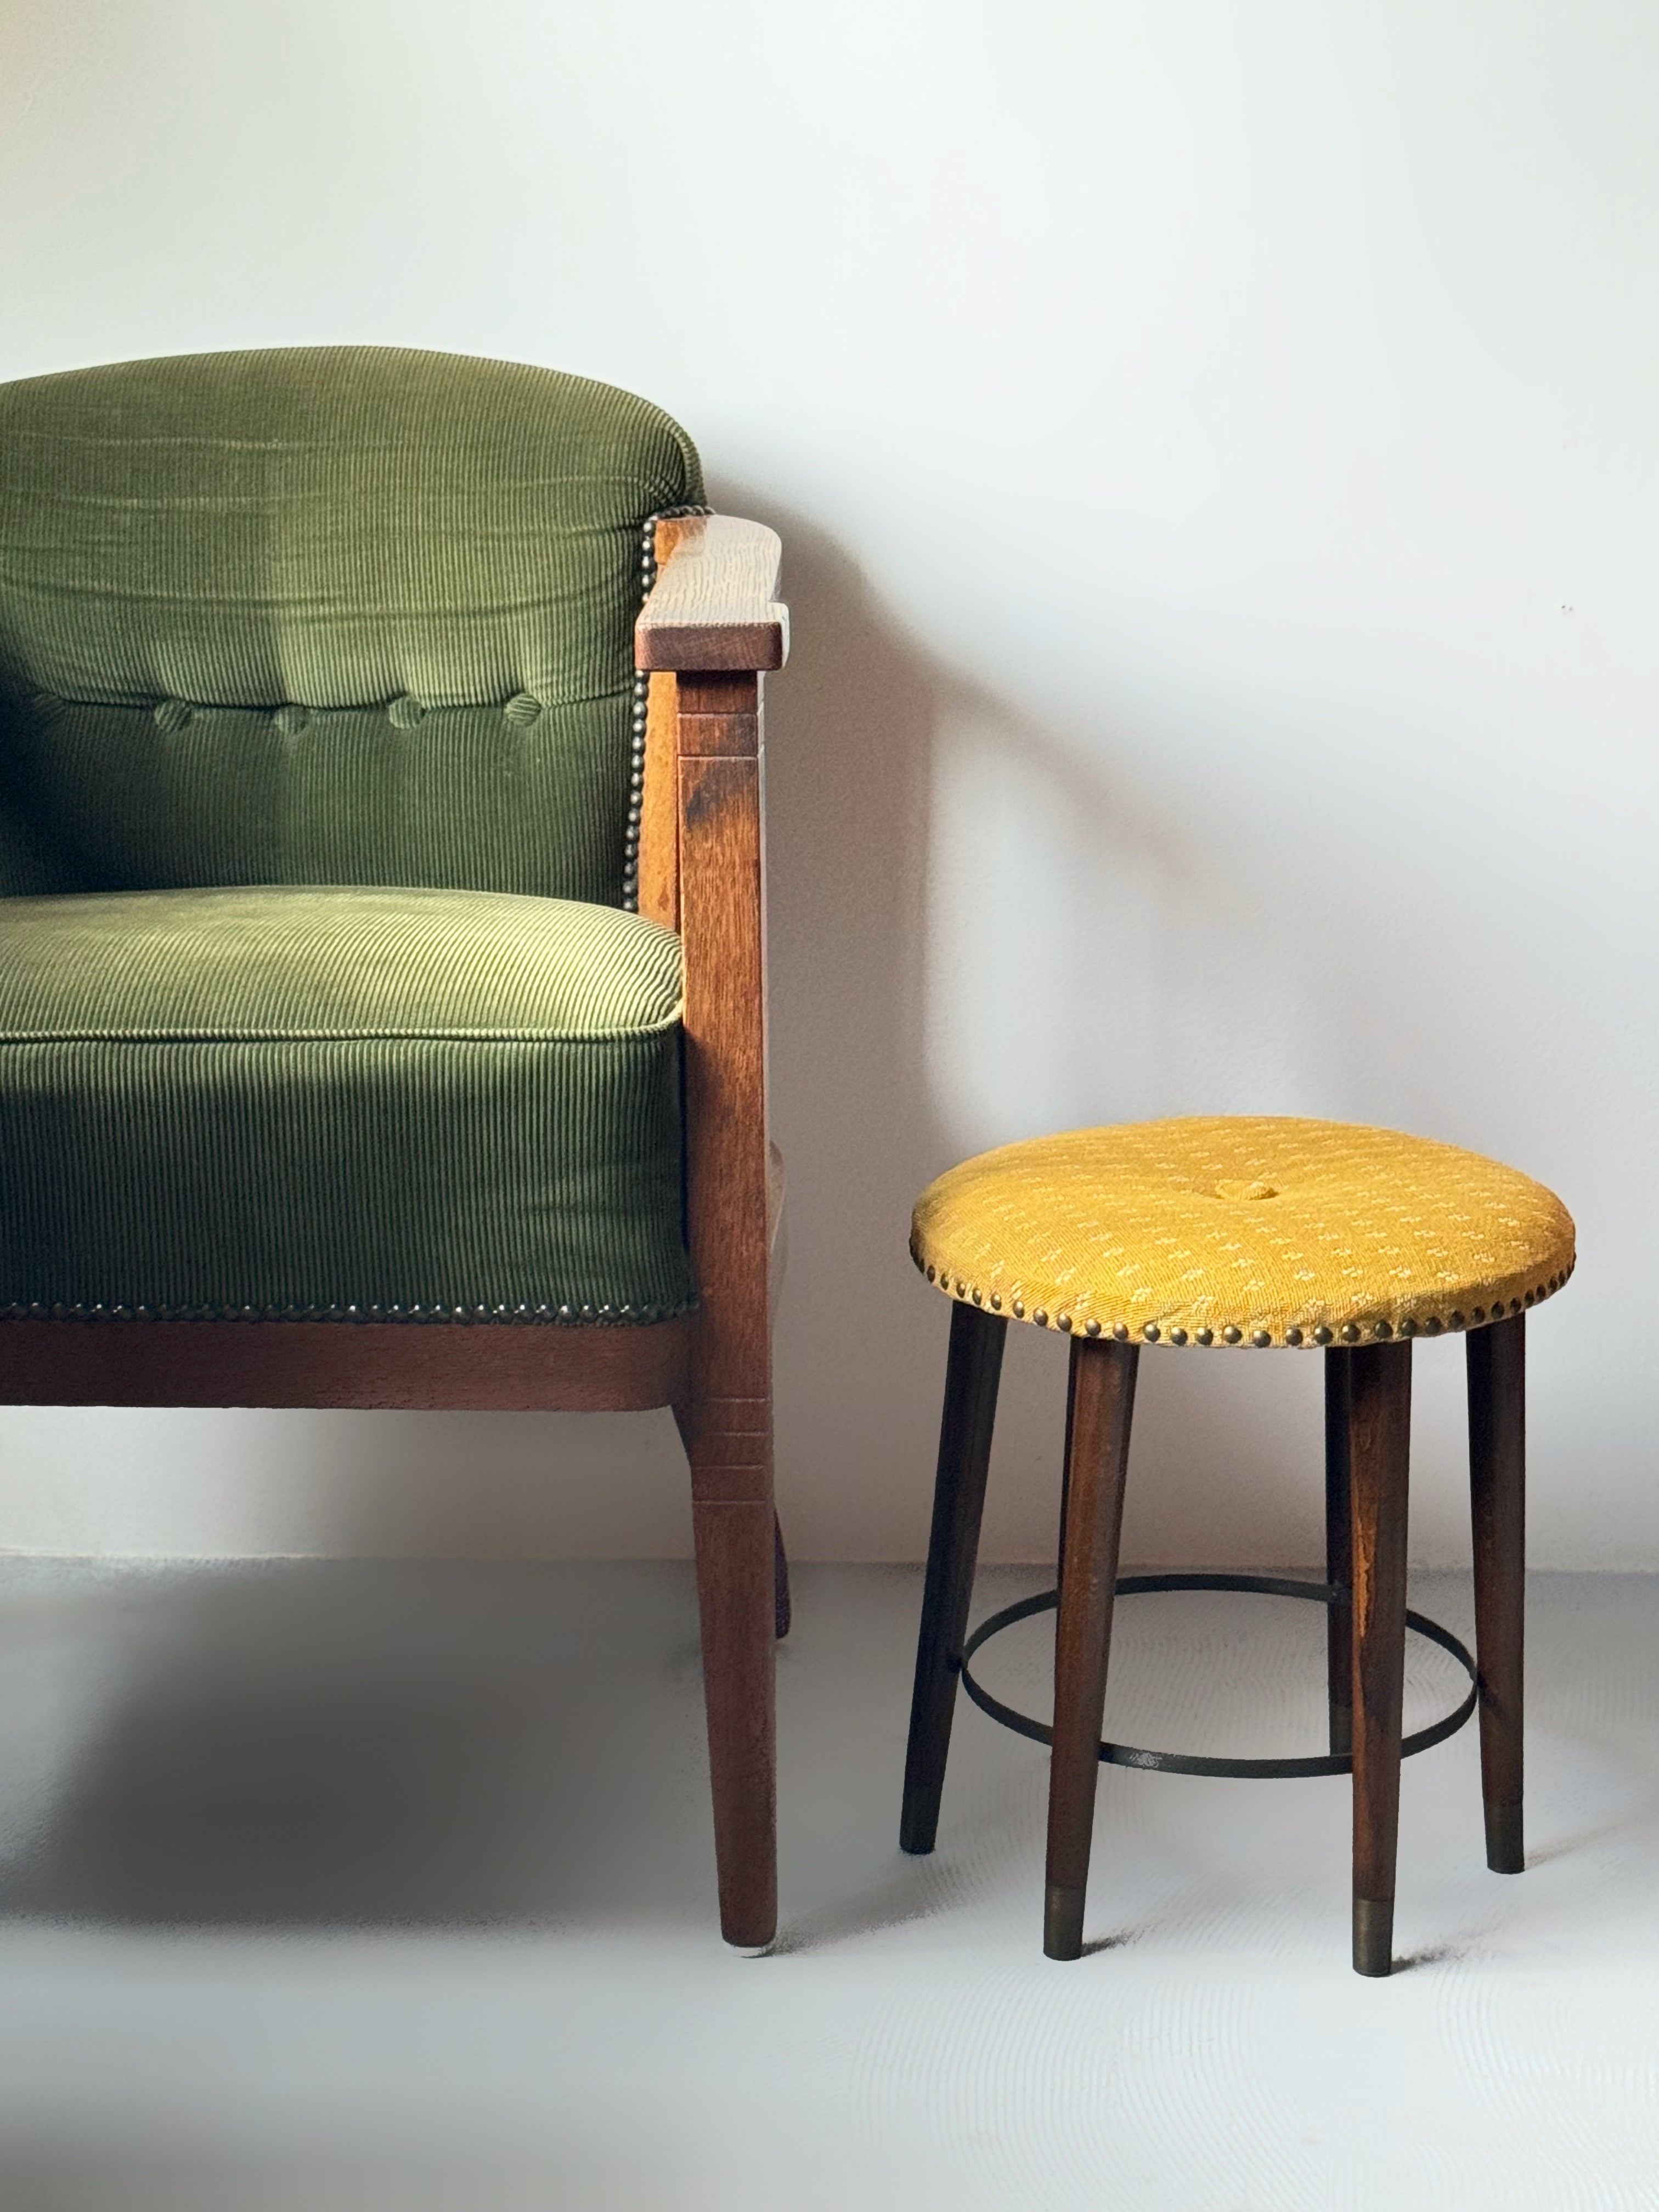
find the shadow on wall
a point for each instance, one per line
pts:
(979, 931)
(971, 941)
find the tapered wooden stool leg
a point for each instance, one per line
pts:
(1102, 1407)
(1066, 1470)
(1498, 1493)
(973, 1371)
(1379, 1460)
(1338, 1552)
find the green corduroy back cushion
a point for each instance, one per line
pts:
(322, 614)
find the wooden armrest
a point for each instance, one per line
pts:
(712, 607)
(709, 630)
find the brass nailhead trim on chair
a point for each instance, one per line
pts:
(565, 1315)
(630, 897)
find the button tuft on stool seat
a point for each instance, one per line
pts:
(1256, 1229)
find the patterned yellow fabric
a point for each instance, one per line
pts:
(1250, 1229)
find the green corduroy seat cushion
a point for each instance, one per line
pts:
(322, 614)
(339, 1100)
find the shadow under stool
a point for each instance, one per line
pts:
(1247, 1233)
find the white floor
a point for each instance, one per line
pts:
(355, 1888)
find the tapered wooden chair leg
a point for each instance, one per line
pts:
(1102, 1407)
(1497, 1492)
(1379, 1462)
(736, 1596)
(782, 1611)
(1339, 1552)
(973, 1369)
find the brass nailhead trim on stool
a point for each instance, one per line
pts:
(1084, 1252)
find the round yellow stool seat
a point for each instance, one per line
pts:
(1250, 1229)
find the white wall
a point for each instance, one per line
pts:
(1216, 448)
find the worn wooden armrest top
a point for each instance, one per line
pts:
(712, 606)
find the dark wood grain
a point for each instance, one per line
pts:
(1103, 1405)
(713, 605)
(1497, 1492)
(735, 1601)
(722, 933)
(1338, 1552)
(973, 1369)
(530, 1367)
(1066, 1470)
(726, 1417)
(1379, 1460)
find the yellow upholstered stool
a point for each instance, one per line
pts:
(1240, 1233)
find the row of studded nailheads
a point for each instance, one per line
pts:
(567, 1314)
(641, 708)
(1350, 1332)
(173, 715)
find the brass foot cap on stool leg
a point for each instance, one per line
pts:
(1062, 1923)
(1504, 1850)
(1373, 1935)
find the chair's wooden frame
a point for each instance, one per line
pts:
(709, 630)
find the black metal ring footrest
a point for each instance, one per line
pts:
(1181, 1762)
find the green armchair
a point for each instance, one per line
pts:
(382, 1005)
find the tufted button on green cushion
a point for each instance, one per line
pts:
(322, 1099)
(400, 543)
